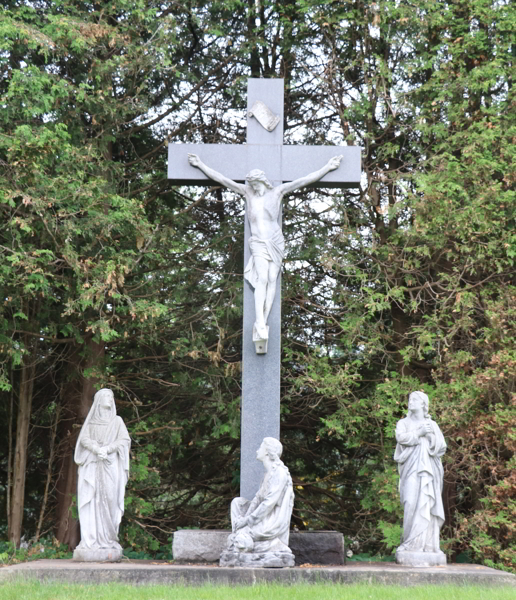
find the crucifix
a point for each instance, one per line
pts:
(262, 170)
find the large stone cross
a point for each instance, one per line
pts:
(260, 416)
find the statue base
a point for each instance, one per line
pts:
(260, 343)
(409, 558)
(206, 545)
(98, 554)
(272, 560)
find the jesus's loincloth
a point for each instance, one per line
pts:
(272, 249)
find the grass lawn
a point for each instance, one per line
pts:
(39, 591)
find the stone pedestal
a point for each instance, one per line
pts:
(257, 559)
(98, 555)
(207, 545)
(317, 547)
(420, 559)
(199, 545)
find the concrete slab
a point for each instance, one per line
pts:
(141, 572)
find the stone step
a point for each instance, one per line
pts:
(147, 572)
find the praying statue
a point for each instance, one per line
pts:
(420, 445)
(266, 243)
(102, 455)
(260, 528)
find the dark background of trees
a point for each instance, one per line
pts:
(110, 276)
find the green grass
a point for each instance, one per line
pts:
(39, 591)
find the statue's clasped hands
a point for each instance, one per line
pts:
(102, 453)
(425, 428)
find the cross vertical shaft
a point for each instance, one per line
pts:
(260, 408)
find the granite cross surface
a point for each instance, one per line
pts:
(260, 410)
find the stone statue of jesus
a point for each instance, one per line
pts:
(266, 243)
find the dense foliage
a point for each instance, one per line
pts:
(111, 276)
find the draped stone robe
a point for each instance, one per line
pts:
(272, 249)
(101, 483)
(269, 514)
(421, 484)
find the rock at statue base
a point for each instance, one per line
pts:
(98, 554)
(257, 559)
(409, 558)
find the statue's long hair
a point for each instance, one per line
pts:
(258, 175)
(274, 448)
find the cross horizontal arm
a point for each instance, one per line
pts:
(300, 160)
(280, 163)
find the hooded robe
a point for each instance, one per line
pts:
(101, 483)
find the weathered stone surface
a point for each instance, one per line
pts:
(141, 572)
(98, 554)
(312, 547)
(257, 559)
(317, 547)
(199, 545)
(420, 559)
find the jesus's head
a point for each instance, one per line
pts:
(258, 181)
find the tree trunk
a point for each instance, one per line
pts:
(20, 453)
(450, 505)
(10, 450)
(77, 400)
(50, 468)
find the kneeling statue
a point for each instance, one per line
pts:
(261, 527)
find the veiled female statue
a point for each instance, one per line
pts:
(102, 454)
(420, 445)
(261, 527)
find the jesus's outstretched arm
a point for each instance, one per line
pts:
(290, 186)
(195, 161)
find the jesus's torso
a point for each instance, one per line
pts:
(263, 213)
